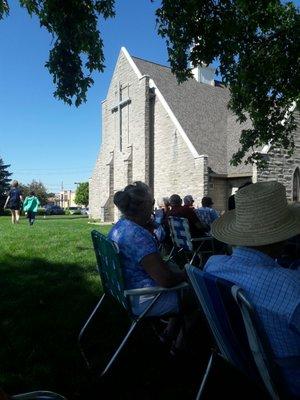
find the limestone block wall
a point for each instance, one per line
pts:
(175, 168)
(218, 191)
(120, 161)
(100, 179)
(281, 166)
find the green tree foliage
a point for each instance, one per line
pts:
(257, 44)
(82, 194)
(78, 48)
(4, 182)
(38, 188)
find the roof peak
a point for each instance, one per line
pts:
(151, 62)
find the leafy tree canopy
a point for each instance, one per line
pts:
(4, 182)
(257, 44)
(38, 188)
(78, 48)
(82, 194)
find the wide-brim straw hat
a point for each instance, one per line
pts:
(262, 216)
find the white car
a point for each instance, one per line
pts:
(74, 210)
(84, 211)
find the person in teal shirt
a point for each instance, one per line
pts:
(30, 206)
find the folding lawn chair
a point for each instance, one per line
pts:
(238, 334)
(109, 267)
(183, 242)
(38, 395)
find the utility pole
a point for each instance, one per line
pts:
(62, 194)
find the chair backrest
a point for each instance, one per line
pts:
(235, 327)
(109, 267)
(180, 233)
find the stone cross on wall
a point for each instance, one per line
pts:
(118, 108)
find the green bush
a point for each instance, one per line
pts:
(41, 211)
(67, 211)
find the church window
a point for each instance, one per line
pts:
(296, 185)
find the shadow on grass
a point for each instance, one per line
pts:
(42, 308)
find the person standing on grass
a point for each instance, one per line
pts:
(30, 207)
(14, 200)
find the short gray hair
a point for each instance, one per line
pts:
(131, 198)
(163, 201)
(188, 199)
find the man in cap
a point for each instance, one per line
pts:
(258, 227)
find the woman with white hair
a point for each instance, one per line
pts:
(141, 260)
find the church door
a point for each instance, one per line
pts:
(296, 185)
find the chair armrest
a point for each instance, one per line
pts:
(202, 239)
(154, 290)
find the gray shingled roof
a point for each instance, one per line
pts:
(202, 112)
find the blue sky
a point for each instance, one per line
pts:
(41, 137)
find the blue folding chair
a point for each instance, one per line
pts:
(183, 242)
(110, 270)
(240, 339)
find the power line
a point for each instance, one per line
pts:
(54, 173)
(49, 169)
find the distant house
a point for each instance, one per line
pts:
(65, 199)
(176, 138)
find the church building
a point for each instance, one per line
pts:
(178, 138)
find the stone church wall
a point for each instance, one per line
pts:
(175, 168)
(121, 161)
(281, 166)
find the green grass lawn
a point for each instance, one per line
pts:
(48, 286)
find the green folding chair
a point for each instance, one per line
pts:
(109, 267)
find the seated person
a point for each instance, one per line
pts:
(163, 206)
(141, 261)
(162, 231)
(177, 210)
(259, 226)
(206, 214)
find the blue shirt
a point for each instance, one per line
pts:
(275, 293)
(207, 215)
(14, 196)
(134, 244)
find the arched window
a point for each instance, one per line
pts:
(296, 185)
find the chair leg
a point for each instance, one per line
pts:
(84, 328)
(121, 346)
(170, 256)
(205, 377)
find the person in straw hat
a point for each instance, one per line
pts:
(258, 228)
